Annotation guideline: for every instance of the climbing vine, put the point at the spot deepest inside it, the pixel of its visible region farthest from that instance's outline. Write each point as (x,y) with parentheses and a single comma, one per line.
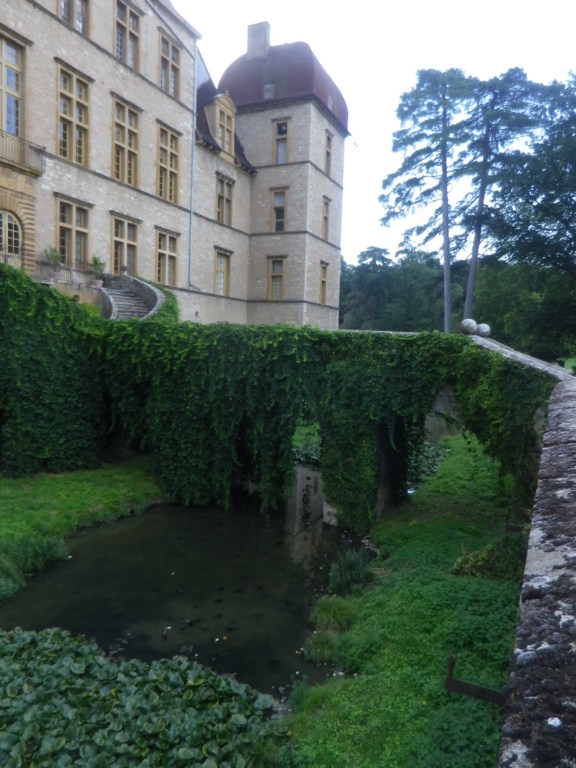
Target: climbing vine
(50,402)
(215,403)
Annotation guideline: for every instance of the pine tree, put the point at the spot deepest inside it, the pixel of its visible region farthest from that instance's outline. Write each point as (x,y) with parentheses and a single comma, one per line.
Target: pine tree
(433,137)
(535,221)
(503,110)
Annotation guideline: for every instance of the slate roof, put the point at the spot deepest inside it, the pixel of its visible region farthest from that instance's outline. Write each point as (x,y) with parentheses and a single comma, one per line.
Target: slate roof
(294,72)
(170,7)
(206,93)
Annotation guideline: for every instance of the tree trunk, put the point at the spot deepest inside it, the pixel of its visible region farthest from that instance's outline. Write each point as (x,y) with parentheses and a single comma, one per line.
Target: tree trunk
(445,222)
(478,224)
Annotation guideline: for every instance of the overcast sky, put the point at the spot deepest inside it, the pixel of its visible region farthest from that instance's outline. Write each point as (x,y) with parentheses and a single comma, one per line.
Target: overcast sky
(372,50)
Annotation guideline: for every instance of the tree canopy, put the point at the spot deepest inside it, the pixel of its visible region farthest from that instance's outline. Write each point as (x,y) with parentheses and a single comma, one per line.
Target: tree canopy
(431,137)
(535,217)
(456,136)
(489,166)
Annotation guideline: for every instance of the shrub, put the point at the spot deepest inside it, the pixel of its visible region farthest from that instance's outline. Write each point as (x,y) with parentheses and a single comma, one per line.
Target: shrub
(332,613)
(349,570)
(320,648)
(502,560)
(11,578)
(306,444)
(33,553)
(300,687)
(424,461)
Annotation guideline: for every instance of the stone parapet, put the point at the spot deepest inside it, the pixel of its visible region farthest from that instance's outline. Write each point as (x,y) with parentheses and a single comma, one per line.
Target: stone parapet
(539,713)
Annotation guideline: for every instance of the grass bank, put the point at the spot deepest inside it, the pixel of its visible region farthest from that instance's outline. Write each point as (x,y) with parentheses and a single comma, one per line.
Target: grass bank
(435,594)
(63,703)
(38,512)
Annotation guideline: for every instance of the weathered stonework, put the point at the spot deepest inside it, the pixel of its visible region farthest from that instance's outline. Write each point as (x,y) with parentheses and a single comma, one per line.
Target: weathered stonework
(539,714)
(50,48)
(45,44)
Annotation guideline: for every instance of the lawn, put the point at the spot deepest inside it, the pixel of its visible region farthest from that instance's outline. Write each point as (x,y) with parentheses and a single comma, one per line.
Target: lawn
(38,512)
(390,710)
(433,592)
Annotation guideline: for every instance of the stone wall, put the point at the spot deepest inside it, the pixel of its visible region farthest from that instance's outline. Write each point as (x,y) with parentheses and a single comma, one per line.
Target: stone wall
(47,44)
(539,710)
(539,714)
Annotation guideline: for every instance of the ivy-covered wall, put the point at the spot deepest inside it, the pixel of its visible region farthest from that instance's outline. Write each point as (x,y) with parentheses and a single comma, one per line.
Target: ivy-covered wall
(211,402)
(50,392)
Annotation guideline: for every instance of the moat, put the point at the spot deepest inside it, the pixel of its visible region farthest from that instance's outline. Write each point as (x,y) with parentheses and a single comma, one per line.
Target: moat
(229,589)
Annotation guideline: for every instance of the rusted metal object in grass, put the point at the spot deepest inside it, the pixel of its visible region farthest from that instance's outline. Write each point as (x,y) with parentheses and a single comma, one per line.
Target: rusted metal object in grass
(470,689)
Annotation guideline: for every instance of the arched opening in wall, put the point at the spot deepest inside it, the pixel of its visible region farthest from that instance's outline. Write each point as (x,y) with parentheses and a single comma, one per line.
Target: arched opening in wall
(10,240)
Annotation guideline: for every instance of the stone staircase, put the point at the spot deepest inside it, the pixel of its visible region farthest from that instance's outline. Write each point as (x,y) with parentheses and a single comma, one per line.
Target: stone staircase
(126,302)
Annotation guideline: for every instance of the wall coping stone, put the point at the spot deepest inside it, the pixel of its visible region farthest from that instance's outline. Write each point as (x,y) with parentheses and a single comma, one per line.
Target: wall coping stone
(539,713)
(553,369)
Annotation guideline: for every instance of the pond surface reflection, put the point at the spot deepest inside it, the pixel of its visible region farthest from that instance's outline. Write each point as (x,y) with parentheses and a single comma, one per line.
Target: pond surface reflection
(231,589)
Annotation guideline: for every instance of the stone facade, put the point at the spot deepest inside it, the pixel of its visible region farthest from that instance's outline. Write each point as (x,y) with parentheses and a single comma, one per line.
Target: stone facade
(101,154)
(71,84)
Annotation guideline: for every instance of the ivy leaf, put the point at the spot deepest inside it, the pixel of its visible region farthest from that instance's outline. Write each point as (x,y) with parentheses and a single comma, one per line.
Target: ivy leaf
(185,753)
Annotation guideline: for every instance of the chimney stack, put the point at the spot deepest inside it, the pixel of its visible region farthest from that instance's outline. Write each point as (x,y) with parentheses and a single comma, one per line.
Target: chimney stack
(258,40)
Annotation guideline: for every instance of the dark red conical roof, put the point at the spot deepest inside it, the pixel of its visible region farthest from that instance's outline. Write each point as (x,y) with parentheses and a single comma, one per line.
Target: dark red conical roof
(294,72)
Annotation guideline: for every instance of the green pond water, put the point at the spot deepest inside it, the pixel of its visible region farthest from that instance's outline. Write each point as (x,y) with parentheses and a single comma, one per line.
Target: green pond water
(231,589)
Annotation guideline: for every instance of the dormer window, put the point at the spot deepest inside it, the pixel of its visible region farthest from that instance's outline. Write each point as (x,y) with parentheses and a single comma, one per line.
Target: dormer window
(225,130)
(220,114)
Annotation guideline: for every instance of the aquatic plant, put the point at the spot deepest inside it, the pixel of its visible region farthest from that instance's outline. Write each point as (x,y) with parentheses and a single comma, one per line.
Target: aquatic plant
(62,703)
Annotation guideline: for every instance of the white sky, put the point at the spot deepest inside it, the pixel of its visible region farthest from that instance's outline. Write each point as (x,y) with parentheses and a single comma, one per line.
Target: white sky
(372,49)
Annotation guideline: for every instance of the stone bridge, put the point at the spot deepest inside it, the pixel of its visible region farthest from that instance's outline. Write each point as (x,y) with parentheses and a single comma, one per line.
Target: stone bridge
(539,711)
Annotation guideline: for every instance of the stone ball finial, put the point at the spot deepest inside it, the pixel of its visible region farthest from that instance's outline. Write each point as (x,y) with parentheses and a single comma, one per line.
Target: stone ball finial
(468,326)
(483,329)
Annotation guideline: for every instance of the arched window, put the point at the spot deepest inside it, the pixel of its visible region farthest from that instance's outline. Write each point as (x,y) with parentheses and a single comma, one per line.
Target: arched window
(10,235)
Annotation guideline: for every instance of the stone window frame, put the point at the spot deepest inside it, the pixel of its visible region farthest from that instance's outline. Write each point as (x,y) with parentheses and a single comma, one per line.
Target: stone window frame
(168,160)
(124,245)
(328,153)
(10,233)
(126,139)
(75,13)
(280,149)
(73,115)
(279,210)
(166,257)
(225,129)
(323,282)
(73,230)
(326,217)
(222,269)
(224,199)
(276,277)
(11,85)
(170,53)
(127,34)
